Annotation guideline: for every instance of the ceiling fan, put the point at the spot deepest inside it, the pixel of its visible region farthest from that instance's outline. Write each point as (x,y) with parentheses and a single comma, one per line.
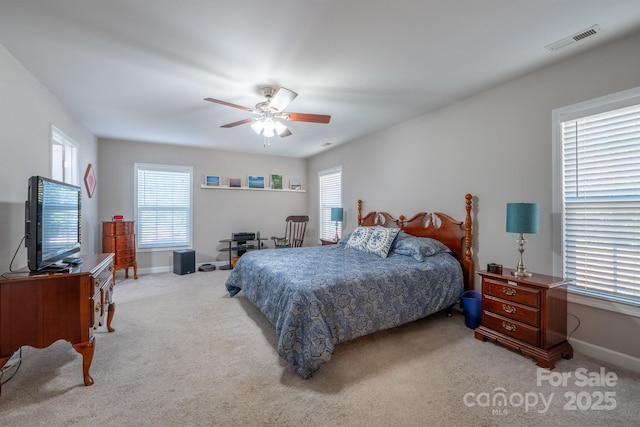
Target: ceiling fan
(269,115)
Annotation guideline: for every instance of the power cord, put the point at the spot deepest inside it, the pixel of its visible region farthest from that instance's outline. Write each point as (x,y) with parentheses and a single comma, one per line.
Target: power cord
(577,326)
(12,366)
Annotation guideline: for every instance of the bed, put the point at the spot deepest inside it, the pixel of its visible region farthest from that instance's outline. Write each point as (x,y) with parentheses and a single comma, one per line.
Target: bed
(320,296)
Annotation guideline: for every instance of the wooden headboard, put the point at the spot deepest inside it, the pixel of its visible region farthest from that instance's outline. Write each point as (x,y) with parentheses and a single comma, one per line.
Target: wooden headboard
(456,235)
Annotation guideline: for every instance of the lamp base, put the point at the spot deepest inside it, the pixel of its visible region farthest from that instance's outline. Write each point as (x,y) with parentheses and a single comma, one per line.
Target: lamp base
(521,269)
(521,273)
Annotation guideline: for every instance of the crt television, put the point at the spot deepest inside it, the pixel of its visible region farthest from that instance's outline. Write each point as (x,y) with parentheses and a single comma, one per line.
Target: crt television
(53,222)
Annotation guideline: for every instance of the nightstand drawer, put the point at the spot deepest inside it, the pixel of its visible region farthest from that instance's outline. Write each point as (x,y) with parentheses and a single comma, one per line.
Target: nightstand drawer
(512,310)
(512,291)
(512,328)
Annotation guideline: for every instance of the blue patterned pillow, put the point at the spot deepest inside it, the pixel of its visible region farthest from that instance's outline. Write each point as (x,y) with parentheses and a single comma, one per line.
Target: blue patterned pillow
(418,247)
(359,238)
(381,240)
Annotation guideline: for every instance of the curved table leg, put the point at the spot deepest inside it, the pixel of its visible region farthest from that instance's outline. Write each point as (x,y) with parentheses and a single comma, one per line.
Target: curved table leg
(86,349)
(110,312)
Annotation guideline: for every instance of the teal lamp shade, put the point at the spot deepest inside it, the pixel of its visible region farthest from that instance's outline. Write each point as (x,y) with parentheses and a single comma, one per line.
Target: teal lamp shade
(336,214)
(523,218)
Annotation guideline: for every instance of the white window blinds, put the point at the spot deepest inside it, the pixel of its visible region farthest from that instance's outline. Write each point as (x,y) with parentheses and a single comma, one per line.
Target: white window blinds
(330,197)
(163,206)
(601,203)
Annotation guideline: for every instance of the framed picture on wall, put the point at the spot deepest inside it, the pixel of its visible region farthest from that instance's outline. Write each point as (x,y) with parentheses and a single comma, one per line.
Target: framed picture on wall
(255,181)
(295,184)
(276,181)
(212,180)
(235,182)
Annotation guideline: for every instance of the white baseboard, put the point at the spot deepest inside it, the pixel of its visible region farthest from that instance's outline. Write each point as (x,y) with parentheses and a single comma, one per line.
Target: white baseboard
(169,268)
(610,356)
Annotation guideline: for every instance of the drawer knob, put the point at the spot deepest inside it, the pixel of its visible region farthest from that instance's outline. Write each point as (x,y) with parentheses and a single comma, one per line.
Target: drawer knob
(98,282)
(97,308)
(509,326)
(509,291)
(508,308)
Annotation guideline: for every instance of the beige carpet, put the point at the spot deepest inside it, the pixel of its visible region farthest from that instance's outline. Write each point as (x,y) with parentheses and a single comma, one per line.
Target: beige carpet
(184,353)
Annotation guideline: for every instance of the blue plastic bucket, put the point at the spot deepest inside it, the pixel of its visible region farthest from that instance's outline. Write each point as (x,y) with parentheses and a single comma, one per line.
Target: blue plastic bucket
(472,308)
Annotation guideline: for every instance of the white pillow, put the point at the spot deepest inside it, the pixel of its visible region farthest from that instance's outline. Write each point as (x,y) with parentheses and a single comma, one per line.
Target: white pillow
(359,238)
(381,240)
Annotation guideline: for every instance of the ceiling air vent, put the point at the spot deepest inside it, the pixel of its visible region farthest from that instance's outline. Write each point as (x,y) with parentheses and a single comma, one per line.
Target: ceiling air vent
(566,42)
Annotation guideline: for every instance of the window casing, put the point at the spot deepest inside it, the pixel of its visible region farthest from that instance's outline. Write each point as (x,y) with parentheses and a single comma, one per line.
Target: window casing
(64,157)
(597,194)
(330,182)
(163,206)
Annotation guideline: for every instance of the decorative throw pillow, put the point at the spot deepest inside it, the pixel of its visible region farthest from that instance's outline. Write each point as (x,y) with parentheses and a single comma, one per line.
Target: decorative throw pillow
(381,240)
(359,238)
(418,247)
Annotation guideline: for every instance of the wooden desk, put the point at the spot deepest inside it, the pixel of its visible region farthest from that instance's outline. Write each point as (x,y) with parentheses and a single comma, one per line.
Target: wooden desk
(38,309)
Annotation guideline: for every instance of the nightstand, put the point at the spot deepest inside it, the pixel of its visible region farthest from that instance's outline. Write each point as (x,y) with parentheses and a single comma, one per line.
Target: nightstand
(527,314)
(325,242)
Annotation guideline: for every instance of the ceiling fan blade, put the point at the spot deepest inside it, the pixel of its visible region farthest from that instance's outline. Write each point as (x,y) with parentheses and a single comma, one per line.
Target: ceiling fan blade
(304,117)
(238,123)
(285,133)
(228,104)
(282,98)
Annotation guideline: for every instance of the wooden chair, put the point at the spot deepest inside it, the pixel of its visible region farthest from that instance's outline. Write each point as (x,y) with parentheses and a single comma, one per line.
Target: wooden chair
(294,232)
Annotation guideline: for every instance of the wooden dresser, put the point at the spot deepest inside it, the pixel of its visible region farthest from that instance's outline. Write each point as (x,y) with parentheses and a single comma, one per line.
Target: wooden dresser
(119,238)
(38,309)
(528,314)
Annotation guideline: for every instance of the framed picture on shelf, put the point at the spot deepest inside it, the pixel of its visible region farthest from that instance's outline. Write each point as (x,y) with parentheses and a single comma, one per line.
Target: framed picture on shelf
(255,181)
(295,184)
(276,181)
(212,181)
(235,182)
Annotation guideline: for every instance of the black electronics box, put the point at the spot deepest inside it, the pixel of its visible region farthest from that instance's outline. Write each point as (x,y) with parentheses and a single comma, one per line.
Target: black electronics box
(184,261)
(243,237)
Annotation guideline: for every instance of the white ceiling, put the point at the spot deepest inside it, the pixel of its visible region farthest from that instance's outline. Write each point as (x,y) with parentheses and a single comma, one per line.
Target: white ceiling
(139,69)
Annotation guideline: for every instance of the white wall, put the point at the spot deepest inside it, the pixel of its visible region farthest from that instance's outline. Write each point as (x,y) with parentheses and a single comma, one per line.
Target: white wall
(217,213)
(497,146)
(27,111)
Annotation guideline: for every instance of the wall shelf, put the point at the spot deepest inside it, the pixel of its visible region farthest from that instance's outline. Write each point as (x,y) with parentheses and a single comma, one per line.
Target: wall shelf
(226,187)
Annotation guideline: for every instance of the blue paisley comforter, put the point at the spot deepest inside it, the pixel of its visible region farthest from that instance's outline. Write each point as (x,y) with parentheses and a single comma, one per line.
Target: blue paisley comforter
(319,296)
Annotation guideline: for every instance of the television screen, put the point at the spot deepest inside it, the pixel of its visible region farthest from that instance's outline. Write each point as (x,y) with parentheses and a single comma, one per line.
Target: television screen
(53,221)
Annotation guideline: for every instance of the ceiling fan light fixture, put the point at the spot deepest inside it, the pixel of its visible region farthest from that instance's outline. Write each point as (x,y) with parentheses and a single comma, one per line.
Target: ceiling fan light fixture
(269,127)
(280,128)
(257,126)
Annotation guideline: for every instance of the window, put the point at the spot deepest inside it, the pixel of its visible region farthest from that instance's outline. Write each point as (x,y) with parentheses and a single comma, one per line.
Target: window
(64,157)
(330,197)
(597,185)
(163,206)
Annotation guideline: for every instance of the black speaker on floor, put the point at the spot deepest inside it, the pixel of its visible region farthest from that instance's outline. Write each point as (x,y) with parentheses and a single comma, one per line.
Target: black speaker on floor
(184,261)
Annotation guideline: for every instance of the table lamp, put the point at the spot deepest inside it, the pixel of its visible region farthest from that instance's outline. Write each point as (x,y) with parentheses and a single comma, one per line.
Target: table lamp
(522,218)
(336,215)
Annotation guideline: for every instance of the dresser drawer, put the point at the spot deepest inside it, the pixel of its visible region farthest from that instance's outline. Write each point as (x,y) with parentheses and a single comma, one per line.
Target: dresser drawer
(511,291)
(512,310)
(124,242)
(117,228)
(512,328)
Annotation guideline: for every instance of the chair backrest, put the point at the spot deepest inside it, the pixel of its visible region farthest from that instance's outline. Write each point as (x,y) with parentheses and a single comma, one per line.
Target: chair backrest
(296,228)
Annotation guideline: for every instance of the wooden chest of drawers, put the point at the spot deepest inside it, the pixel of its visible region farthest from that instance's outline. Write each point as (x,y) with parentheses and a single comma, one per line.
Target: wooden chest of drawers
(38,309)
(528,314)
(118,237)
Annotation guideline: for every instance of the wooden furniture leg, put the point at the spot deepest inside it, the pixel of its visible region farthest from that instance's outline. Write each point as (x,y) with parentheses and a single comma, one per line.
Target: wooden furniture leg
(86,349)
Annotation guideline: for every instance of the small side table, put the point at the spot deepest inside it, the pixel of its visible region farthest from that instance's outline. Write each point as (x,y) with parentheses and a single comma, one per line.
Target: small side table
(326,242)
(527,314)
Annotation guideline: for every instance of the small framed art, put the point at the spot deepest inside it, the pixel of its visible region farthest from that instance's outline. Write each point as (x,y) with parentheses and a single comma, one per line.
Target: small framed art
(276,181)
(235,182)
(90,180)
(255,181)
(295,184)
(212,180)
